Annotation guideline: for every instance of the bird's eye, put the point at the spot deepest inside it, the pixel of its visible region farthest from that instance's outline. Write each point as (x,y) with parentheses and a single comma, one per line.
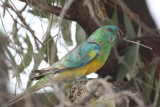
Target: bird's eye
(110,30)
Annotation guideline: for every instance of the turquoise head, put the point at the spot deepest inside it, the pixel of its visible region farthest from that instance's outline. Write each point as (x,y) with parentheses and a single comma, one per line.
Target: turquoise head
(108,32)
(111,32)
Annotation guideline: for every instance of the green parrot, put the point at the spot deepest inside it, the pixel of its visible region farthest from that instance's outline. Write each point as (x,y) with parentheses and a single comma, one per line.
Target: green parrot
(86,58)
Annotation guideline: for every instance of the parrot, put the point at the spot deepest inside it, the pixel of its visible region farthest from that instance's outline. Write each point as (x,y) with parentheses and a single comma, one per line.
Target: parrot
(84,59)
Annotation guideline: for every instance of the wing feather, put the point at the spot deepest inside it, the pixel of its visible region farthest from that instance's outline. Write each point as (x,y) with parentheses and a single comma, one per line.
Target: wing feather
(79,57)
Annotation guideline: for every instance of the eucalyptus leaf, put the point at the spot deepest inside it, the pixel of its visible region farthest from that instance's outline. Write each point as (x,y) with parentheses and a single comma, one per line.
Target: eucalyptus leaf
(29,44)
(39,13)
(157,93)
(66,32)
(80,34)
(113,20)
(52,49)
(149,83)
(38,57)
(37,60)
(3,38)
(27,58)
(62,2)
(12,58)
(4,11)
(2,34)
(115,17)
(49,1)
(130,33)
(131,55)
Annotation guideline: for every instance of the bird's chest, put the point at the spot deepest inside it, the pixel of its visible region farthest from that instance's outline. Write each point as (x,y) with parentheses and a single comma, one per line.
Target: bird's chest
(97,63)
(93,66)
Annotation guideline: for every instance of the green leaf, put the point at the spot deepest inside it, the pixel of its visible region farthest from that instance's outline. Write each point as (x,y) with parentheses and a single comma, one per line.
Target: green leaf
(25,62)
(113,20)
(115,17)
(131,55)
(29,44)
(149,84)
(4,11)
(62,2)
(66,32)
(2,34)
(52,49)
(39,57)
(27,58)
(37,60)
(80,34)
(40,13)
(3,38)
(49,1)
(130,33)
(11,56)
(156,102)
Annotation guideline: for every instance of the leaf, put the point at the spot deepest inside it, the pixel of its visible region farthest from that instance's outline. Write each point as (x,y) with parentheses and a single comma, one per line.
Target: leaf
(2,34)
(66,32)
(80,34)
(115,17)
(39,57)
(130,33)
(37,60)
(3,38)
(131,55)
(149,84)
(156,102)
(29,44)
(40,13)
(11,56)
(52,49)
(62,2)
(27,58)
(49,1)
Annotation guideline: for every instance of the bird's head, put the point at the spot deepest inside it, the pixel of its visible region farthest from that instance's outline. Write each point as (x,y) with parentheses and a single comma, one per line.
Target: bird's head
(111,32)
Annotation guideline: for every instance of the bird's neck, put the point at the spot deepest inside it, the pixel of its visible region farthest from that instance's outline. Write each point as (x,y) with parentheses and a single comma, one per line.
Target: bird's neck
(105,47)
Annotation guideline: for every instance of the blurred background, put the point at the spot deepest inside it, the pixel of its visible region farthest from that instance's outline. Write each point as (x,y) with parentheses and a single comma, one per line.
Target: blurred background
(33,36)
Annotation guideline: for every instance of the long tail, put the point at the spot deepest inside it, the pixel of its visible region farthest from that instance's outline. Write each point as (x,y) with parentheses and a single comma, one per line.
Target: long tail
(29,91)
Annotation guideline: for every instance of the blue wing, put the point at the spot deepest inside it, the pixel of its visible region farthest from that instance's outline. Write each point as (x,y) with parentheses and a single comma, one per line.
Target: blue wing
(82,55)
(77,58)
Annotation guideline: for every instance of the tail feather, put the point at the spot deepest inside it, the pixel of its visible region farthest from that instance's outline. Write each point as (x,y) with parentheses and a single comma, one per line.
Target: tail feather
(38,74)
(14,100)
(29,91)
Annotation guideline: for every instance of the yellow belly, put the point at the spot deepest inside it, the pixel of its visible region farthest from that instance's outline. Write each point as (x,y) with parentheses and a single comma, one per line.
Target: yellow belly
(93,66)
(67,75)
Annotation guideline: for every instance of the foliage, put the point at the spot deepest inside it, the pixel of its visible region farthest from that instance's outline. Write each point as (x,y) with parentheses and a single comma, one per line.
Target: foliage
(26,45)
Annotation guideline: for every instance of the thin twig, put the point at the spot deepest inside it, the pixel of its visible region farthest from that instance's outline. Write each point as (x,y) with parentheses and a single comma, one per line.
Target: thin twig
(137,43)
(24,22)
(143,25)
(63,12)
(92,13)
(49,8)
(121,94)
(48,34)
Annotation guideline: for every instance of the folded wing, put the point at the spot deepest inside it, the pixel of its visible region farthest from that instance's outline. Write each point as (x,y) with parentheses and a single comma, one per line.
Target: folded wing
(77,58)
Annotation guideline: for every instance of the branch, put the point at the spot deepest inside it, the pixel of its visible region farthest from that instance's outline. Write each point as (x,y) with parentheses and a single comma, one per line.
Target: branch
(49,8)
(137,22)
